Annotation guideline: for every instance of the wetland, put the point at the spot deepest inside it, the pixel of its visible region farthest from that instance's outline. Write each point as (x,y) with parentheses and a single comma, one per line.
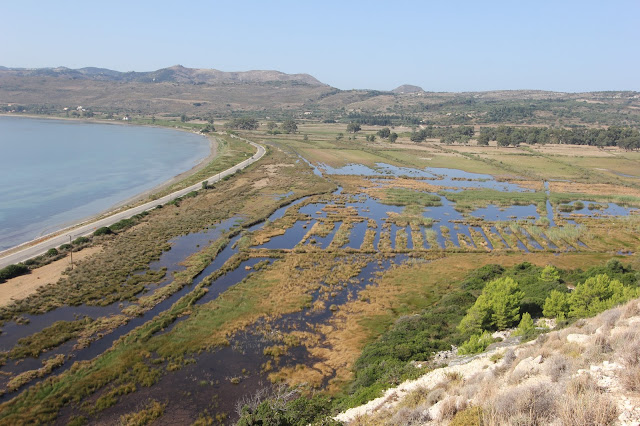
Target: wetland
(283,274)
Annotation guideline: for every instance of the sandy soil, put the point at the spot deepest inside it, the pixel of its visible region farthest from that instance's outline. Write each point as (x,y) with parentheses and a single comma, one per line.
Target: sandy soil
(20,287)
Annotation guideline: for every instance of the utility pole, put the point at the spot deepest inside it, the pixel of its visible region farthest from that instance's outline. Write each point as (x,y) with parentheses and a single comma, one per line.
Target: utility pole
(71,252)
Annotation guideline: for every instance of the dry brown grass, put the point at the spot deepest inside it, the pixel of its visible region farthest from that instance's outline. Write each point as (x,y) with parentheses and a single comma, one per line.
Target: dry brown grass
(409,417)
(630,378)
(416,397)
(415,184)
(435,396)
(631,309)
(593,188)
(524,405)
(146,414)
(570,150)
(558,366)
(536,185)
(450,406)
(586,409)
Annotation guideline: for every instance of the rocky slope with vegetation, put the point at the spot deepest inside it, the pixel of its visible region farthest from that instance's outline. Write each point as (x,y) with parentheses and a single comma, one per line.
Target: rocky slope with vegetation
(586,374)
(202,93)
(478,368)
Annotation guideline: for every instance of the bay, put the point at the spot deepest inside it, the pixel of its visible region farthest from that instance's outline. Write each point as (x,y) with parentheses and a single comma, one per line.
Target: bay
(54,173)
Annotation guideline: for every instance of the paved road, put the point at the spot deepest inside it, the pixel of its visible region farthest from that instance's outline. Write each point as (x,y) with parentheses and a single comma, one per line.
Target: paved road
(84,230)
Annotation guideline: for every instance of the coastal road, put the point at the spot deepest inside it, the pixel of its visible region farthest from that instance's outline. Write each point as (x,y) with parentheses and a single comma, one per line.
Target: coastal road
(42,244)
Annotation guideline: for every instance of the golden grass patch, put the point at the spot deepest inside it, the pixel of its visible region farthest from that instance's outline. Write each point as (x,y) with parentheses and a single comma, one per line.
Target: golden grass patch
(593,188)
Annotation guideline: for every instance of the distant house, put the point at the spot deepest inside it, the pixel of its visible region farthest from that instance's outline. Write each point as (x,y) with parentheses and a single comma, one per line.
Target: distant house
(79,108)
(125,118)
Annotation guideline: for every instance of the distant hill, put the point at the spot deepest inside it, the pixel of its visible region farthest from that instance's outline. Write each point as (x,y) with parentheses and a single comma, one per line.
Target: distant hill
(196,92)
(174,74)
(407,88)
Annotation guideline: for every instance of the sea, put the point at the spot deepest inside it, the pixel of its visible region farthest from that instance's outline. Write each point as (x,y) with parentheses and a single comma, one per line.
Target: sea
(54,173)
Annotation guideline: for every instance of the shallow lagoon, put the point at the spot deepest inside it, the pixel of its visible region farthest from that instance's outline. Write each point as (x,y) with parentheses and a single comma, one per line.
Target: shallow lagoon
(56,172)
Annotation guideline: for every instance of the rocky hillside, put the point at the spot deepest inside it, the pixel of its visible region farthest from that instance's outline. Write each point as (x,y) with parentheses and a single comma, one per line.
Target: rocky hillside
(587,374)
(174,74)
(407,88)
(199,93)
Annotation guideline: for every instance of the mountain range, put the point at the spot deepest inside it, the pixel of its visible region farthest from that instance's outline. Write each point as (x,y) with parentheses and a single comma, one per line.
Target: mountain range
(174,74)
(197,92)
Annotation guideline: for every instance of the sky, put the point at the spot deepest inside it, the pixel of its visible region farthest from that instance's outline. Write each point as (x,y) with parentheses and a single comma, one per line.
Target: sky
(454,46)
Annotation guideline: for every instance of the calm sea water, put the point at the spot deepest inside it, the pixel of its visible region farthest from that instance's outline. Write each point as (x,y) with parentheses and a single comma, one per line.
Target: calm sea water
(54,173)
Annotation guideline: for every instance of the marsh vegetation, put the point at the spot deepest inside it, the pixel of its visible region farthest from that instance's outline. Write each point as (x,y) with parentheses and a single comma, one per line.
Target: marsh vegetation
(330,275)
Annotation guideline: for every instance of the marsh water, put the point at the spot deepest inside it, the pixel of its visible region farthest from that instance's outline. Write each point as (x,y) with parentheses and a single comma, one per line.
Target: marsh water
(207,384)
(55,172)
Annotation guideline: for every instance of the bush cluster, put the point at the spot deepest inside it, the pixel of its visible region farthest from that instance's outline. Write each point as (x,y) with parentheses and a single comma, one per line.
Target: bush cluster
(12,271)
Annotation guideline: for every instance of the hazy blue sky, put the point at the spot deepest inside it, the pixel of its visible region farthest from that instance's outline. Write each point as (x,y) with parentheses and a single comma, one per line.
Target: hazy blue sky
(441,46)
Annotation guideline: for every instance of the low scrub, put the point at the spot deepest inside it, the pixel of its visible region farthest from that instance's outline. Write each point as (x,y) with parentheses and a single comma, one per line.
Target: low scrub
(406,197)
(148,414)
(13,271)
(49,337)
(475,198)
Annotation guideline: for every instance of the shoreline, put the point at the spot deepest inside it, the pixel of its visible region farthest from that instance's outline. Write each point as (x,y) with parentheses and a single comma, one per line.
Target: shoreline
(122,205)
(39,246)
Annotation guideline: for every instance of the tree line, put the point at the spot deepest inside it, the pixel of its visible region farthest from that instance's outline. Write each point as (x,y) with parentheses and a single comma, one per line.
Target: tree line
(382,119)
(461,134)
(626,138)
(623,137)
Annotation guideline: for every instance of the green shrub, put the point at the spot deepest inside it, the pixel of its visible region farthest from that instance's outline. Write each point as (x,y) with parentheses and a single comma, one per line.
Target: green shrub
(190,194)
(140,215)
(596,294)
(556,305)
(12,271)
(300,411)
(102,231)
(80,240)
(550,274)
(415,337)
(526,328)
(477,343)
(536,284)
(477,279)
(498,307)
(51,252)
(65,247)
(122,224)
